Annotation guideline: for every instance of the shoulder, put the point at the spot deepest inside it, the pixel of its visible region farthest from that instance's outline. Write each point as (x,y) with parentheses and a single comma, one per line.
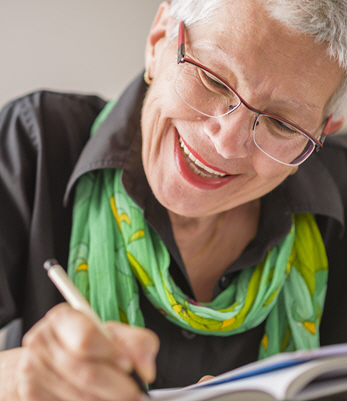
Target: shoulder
(334,152)
(48,119)
(334,158)
(43,133)
(338,140)
(45,99)
(46,108)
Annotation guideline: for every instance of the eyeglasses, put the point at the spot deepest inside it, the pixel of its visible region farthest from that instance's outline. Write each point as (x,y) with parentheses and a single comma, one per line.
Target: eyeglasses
(208,94)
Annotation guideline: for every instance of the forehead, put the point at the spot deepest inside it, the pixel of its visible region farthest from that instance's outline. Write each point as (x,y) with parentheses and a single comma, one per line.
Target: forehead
(267,58)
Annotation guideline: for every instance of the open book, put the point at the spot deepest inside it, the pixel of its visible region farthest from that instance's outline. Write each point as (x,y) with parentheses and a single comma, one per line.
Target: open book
(299,375)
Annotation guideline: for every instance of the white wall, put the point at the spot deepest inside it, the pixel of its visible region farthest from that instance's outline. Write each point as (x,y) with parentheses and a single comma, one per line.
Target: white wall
(92,46)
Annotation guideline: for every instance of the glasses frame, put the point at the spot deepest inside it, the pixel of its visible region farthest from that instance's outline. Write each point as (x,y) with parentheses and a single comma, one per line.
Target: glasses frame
(318,143)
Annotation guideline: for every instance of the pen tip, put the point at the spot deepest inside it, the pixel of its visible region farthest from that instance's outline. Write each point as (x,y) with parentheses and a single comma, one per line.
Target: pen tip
(49,263)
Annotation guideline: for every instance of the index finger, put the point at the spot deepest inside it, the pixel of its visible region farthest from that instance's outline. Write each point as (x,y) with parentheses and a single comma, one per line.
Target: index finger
(80,335)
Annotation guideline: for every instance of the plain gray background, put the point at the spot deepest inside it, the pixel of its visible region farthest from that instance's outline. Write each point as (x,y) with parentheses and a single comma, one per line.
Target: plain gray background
(89,46)
(92,46)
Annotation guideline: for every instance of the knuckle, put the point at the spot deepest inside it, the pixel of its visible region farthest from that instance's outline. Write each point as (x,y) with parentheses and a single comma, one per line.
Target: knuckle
(82,332)
(57,309)
(35,339)
(58,313)
(85,338)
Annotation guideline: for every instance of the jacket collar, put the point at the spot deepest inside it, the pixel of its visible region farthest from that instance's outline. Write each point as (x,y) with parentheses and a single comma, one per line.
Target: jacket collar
(117,143)
(313,190)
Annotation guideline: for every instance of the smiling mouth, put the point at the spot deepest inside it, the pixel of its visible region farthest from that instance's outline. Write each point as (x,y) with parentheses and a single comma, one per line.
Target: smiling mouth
(197,166)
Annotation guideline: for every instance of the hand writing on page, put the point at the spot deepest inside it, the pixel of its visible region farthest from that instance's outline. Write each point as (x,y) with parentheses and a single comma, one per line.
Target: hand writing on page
(67,357)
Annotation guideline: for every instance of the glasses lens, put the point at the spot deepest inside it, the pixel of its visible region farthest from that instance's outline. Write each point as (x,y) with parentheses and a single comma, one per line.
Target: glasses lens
(204,92)
(282,142)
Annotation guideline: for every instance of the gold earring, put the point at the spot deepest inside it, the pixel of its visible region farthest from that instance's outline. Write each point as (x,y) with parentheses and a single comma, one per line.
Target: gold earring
(147,78)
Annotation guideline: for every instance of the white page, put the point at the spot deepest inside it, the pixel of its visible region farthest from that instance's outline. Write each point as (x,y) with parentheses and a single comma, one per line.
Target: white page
(275,383)
(279,359)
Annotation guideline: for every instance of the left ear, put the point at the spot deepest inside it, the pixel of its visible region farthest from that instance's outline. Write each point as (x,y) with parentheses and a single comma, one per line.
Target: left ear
(335,125)
(157,37)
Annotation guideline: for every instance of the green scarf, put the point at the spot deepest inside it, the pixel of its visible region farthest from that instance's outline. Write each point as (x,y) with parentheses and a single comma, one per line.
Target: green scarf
(113,249)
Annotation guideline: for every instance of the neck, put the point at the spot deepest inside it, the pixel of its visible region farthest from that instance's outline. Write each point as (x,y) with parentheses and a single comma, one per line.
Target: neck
(236,227)
(192,232)
(224,245)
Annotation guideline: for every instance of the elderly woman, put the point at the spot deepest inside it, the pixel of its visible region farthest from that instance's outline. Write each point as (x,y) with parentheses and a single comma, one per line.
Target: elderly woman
(199,209)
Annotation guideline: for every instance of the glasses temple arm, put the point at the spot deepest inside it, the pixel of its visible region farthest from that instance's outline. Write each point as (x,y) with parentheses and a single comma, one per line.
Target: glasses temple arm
(325,132)
(181,47)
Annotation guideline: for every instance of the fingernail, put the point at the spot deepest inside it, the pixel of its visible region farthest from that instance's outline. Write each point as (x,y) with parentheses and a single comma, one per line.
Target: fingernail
(148,368)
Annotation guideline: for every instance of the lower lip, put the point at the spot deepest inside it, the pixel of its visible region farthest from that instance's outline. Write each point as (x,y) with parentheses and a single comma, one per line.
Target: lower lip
(195,179)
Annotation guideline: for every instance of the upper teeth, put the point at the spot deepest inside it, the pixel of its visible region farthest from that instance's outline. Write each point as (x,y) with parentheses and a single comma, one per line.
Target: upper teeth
(198,162)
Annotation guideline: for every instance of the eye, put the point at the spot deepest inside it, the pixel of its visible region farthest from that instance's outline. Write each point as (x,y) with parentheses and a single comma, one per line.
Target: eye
(212,82)
(278,127)
(285,127)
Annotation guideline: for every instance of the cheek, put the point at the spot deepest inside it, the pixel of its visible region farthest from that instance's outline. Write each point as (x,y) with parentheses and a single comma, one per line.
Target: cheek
(271,171)
(157,137)
(162,109)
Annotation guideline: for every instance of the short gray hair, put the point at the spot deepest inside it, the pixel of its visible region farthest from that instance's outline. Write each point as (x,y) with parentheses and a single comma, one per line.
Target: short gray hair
(326,20)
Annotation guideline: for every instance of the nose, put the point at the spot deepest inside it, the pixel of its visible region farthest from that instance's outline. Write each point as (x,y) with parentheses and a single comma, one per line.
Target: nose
(231,134)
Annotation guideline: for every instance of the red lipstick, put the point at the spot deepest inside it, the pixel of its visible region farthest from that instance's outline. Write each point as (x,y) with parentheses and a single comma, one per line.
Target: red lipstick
(204,183)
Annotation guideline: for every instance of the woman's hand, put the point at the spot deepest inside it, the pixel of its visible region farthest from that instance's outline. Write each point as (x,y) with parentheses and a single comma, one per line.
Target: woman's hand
(66,356)
(205,378)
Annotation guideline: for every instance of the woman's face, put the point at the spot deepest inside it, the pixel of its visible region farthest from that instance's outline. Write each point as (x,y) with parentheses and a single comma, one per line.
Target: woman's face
(273,68)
